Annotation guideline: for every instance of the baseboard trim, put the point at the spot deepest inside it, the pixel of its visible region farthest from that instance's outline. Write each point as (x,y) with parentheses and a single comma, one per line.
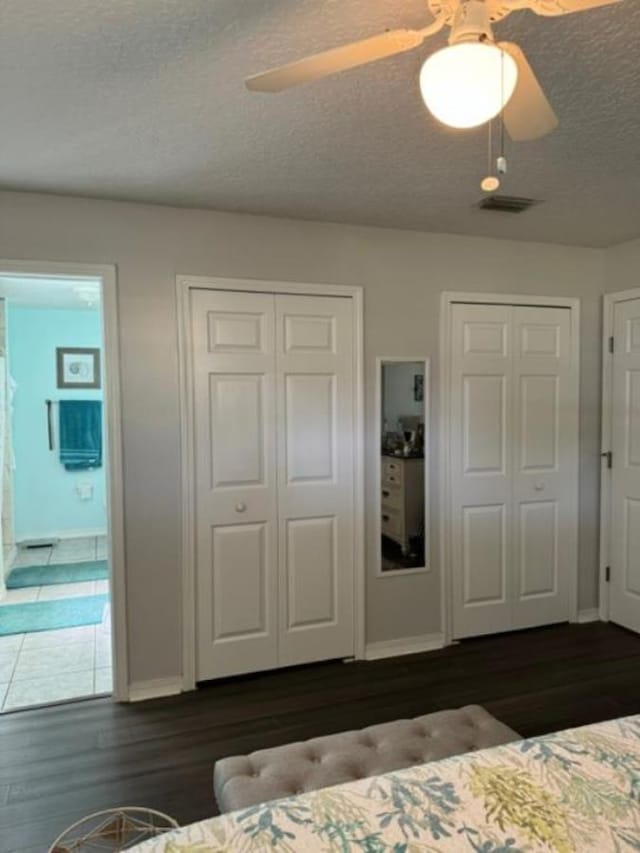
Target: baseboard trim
(89,533)
(591,615)
(156,688)
(404,646)
(8,556)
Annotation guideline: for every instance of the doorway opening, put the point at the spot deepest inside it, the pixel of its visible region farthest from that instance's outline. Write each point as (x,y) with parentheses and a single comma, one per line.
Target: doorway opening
(55,566)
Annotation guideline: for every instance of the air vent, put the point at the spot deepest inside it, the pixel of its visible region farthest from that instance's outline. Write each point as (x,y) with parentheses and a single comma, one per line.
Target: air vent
(506,203)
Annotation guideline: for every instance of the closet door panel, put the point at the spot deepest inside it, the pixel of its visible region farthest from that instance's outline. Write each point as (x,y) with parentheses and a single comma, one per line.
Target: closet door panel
(236,416)
(235,481)
(484,420)
(310,428)
(545,465)
(315,380)
(481,512)
(539,413)
(538,548)
(238,588)
(484,555)
(311,568)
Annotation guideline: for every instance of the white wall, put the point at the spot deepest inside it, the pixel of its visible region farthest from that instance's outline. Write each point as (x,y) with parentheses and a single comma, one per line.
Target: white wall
(622,271)
(403,274)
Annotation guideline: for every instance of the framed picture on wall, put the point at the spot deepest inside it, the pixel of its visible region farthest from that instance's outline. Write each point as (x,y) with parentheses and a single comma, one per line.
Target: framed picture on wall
(78,367)
(418,388)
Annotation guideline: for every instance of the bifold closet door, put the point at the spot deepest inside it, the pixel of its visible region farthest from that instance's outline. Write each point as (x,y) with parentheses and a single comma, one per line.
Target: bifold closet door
(274,470)
(315,382)
(514,420)
(233,337)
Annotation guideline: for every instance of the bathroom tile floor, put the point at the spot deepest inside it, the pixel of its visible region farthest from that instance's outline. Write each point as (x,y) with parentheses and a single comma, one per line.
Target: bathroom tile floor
(53,666)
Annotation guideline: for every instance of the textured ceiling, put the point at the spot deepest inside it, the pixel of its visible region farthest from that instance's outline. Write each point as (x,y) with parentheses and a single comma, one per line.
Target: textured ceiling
(144,100)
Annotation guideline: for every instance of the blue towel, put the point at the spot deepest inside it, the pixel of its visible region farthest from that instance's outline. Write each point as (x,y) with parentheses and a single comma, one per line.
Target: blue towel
(80,434)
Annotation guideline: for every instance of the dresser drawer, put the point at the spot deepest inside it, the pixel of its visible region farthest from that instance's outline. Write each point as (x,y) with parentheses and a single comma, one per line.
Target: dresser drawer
(391,524)
(391,497)
(392,472)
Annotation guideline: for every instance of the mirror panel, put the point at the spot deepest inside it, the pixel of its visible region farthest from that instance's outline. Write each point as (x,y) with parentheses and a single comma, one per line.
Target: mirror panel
(403,481)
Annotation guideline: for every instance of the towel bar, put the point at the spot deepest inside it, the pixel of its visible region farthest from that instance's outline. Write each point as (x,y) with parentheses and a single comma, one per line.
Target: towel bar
(49,404)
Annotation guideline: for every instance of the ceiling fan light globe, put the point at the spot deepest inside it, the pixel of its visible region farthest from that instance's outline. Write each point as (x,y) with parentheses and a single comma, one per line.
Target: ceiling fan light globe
(465,85)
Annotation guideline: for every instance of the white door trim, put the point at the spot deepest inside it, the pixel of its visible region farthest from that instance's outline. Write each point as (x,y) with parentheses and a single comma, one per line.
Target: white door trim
(609,302)
(184,284)
(448,298)
(107,275)
(428,567)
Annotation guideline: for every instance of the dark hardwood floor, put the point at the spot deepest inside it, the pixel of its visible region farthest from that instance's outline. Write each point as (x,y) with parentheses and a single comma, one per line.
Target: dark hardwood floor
(59,763)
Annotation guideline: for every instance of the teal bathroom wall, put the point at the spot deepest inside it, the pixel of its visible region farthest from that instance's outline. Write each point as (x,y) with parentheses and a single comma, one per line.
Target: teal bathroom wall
(46,502)
(397,391)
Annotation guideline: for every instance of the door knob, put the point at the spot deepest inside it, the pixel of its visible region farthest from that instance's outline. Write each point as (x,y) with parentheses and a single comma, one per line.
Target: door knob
(241,507)
(539,486)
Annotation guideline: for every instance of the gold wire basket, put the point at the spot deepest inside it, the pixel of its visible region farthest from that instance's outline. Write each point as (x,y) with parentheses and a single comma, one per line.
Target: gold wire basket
(113,830)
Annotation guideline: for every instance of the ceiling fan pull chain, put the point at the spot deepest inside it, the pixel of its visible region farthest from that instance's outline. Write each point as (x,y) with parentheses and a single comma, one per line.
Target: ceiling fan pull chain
(490,184)
(501,162)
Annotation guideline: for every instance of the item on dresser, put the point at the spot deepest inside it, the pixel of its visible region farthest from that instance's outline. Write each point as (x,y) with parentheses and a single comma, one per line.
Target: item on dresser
(295,768)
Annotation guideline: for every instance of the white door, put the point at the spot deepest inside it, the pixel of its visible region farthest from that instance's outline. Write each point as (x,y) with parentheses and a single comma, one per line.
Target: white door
(624,607)
(274,471)
(235,476)
(315,363)
(514,421)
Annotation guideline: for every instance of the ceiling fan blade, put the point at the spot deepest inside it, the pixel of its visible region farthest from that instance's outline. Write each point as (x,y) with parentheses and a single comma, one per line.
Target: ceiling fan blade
(333,61)
(528,114)
(568,7)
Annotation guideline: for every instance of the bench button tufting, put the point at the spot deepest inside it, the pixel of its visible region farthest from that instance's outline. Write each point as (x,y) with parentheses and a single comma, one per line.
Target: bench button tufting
(407,743)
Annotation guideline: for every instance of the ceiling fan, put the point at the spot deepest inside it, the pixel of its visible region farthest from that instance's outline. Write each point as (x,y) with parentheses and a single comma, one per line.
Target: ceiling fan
(463,85)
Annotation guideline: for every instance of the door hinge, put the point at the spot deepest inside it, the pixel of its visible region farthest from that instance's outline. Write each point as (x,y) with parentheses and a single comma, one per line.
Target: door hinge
(607,574)
(611,344)
(609,457)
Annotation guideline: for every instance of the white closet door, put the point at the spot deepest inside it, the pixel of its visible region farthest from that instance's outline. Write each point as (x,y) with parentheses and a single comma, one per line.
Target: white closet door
(625,485)
(545,465)
(315,367)
(236,528)
(481,520)
(514,419)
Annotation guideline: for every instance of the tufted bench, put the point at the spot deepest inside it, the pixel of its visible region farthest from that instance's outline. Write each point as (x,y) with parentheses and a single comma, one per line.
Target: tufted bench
(283,771)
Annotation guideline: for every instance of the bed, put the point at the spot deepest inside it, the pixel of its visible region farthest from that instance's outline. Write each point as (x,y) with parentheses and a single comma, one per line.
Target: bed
(576,790)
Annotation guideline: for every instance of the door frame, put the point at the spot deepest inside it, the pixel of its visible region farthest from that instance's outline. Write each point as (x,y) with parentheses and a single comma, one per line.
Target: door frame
(609,304)
(107,274)
(185,283)
(447,300)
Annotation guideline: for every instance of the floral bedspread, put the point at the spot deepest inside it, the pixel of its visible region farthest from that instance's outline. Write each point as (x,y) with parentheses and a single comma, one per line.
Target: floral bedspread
(577,790)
